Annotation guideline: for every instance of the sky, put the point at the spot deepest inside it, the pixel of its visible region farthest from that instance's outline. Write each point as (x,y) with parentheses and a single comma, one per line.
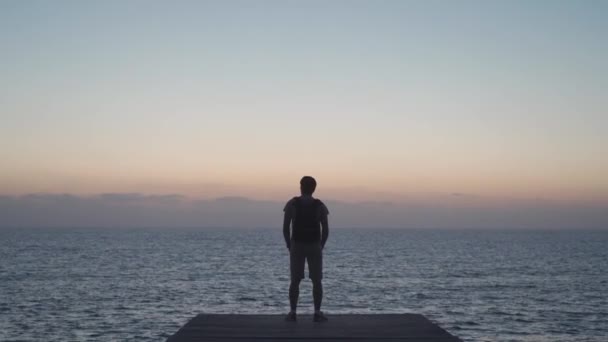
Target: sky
(493,111)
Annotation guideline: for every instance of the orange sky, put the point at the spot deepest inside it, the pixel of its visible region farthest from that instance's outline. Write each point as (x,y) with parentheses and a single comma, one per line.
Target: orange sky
(380,102)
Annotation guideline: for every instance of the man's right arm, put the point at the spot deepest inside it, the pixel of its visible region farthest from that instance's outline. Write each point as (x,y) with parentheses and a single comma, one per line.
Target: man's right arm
(286,224)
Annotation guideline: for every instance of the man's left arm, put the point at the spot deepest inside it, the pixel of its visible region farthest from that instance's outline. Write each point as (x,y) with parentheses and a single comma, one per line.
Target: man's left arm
(325,230)
(286,226)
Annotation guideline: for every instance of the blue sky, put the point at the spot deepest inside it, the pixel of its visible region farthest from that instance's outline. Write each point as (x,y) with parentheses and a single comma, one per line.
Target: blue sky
(380,100)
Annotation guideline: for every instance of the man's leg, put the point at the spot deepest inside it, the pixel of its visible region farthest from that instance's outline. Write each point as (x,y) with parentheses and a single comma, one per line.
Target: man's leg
(294,293)
(317,293)
(296,265)
(315,269)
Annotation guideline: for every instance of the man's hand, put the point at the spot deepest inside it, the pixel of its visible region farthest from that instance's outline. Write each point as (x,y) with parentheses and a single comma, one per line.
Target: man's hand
(288,246)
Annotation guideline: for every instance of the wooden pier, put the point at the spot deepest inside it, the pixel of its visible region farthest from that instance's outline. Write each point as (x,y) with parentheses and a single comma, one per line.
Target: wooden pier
(351,327)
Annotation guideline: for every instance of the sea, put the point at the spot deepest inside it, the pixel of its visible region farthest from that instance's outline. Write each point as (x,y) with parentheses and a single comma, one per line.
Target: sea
(111,284)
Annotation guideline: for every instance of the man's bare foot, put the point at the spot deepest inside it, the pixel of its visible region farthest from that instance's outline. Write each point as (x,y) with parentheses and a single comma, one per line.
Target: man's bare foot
(319,317)
(291,317)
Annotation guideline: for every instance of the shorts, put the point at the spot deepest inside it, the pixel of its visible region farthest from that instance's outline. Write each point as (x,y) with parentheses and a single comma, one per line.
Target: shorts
(301,252)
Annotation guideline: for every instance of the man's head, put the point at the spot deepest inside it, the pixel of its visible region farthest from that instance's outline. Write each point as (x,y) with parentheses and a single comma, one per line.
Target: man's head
(307,185)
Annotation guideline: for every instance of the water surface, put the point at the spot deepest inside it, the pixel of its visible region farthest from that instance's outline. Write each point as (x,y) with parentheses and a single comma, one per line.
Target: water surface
(143,284)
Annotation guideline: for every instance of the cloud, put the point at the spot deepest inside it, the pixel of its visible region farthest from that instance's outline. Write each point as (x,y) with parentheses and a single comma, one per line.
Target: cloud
(174,210)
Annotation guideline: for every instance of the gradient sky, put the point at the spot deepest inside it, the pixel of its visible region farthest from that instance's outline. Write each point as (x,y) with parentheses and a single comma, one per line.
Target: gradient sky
(379,100)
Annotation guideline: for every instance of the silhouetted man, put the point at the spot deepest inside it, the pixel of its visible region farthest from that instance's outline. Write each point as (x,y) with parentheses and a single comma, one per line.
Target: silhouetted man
(306,215)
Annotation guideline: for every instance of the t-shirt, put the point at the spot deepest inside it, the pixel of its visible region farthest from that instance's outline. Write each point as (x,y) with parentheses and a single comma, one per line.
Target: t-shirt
(290,207)
(306,228)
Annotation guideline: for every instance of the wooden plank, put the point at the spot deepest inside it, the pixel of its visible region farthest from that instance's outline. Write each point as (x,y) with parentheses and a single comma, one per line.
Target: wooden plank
(350,327)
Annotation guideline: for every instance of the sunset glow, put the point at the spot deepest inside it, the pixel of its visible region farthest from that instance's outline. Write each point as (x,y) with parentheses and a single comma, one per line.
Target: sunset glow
(504,101)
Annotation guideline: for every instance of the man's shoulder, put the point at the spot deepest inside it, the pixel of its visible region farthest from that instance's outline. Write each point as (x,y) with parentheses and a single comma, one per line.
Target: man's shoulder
(318,200)
(290,204)
(322,207)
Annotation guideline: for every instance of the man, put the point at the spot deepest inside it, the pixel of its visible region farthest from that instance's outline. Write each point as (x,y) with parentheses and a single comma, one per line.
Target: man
(306,216)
